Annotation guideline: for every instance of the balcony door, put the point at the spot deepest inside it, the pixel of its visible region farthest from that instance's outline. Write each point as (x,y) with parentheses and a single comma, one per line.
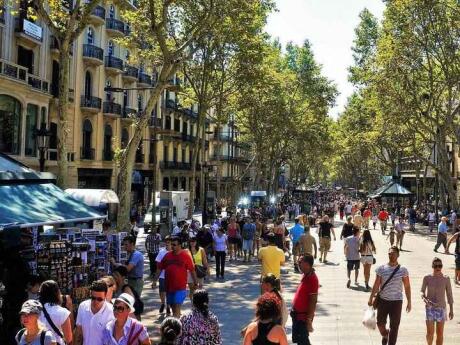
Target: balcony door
(88,85)
(26,58)
(107,141)
(86,142)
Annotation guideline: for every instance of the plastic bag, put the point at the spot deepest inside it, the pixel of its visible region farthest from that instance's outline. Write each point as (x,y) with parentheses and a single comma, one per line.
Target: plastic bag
(369,320)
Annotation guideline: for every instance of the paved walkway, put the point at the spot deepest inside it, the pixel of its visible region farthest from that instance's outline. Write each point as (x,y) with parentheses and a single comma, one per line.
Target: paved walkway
(340,310)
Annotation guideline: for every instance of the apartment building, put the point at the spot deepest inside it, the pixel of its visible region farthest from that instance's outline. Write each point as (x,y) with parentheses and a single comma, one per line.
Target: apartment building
(100,121)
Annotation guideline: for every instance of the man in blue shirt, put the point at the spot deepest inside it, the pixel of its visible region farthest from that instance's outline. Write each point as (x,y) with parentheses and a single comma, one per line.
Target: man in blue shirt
(442,234)
(249,230)
(294,233)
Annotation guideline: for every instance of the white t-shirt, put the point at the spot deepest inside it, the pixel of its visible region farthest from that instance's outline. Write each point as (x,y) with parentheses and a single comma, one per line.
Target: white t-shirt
(93,325)
(58,315)
(159,257)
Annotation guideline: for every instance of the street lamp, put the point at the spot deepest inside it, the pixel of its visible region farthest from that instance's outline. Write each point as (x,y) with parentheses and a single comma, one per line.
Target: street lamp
(42,136)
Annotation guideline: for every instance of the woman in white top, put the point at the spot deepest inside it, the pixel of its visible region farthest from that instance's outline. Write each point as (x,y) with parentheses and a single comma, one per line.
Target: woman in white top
(367,251)
(220,244)
(53,316)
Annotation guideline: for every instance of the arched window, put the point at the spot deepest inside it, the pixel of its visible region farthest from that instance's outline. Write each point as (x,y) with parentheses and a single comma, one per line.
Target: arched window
(86,152)
(107,142)
(88,85)
(10,125)
(90,35)
(108,94)
(111,11)
(30,147)
(175,183)
(110,48)
(124,138)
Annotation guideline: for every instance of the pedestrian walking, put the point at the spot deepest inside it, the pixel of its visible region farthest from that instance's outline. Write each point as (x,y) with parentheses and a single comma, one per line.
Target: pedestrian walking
(176,264)
(295,233)
(304,302)
(307,243)
(120,275)
(367,250)
(152,247)
(200,325)
(33,332)
(383,218)
(347,229)
(265,330)
(93,315)
(204,238)
(374,221)
(456,238)
(161,278)
(201,265)
(351,249)
(271,257)
(324,234)
(248,233)
(431,220)
(387,296)
(234,234)
(170,330)
(358,219)
(272,284)
(442,234)
(53,316)
(435,289)
(220,245)
(367,215)
(124,330)
(400,229)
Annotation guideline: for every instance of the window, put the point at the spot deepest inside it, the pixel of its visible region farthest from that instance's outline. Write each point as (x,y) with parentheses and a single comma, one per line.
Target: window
(88,85)
(183,155)
(53,142)
(31,126)
(175,155)
(90,36)
(165,153)
(26,58)
(10,125)
(110,48)
(107,142)
(140,103)
(87,132)
(125,99)
(124,138)
(55,79)
(108,94)
(177,125)
(165,183)
(111,11)
(168,122)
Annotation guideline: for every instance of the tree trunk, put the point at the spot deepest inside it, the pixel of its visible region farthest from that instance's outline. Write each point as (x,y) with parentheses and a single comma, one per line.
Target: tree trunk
(63,128)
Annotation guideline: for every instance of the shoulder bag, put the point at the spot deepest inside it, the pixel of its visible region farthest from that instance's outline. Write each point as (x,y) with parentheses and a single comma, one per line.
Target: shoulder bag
(133,336)
(201,271)
(51,323)
(377,298)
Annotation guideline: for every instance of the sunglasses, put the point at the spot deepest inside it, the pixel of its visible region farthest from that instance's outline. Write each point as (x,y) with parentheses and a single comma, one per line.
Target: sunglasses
(99,299)
(119,308)
(437,266)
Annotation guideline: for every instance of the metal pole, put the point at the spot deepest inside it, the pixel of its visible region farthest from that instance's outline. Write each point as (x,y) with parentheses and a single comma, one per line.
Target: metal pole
(41,159)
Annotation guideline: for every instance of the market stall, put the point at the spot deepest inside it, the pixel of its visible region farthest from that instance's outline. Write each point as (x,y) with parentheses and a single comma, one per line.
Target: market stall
(392,193)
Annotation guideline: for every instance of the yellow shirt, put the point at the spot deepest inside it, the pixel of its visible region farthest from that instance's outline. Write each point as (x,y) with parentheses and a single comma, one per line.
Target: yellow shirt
(271,257)
(198,258)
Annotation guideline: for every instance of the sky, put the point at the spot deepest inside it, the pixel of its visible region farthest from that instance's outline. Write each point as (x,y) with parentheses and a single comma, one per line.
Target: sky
(329,26)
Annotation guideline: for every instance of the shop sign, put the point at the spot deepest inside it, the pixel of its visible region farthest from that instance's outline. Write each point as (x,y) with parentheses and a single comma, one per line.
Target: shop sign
(32,29)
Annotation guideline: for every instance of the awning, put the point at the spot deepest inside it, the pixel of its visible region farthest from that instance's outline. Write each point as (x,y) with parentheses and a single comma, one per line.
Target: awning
(94,197)
(28,205)
(391,189)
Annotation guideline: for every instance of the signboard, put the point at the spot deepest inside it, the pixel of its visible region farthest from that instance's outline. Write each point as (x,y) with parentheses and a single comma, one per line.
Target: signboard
(32,29)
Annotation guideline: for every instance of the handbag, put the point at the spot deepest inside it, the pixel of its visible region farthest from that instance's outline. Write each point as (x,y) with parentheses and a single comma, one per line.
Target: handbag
(377,298)
(200,270)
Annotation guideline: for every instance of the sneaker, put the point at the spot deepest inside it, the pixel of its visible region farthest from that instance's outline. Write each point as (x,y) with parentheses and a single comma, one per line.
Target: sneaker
(348,283)
(162,308)
(168,310)
(367,286)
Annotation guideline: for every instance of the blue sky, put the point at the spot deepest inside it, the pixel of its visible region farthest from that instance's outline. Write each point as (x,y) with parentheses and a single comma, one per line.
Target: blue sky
(329,25)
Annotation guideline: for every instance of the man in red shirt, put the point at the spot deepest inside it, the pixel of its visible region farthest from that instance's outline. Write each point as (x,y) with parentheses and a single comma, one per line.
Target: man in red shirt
(176,263)
(383,217)
(304,303)
(367,214)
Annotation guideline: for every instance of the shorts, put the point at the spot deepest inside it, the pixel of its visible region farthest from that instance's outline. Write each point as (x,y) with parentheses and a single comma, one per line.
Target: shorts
(299,332)
(247,245)
(161,285)
(367,259)
(457,261)
(435,314)
(233,240)
(353,265)
(176,297)
(324,244)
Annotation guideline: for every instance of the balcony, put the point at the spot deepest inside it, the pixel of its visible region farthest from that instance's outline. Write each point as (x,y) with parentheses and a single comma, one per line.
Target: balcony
(144,79)
(155,122)
(114,27)
(175,165)
(90,104)
(20,74)
(130,73)
(107,155)
(38,84)
(29,33)
(93,55)
(140,157)
(128,113)
(111,109)
(86,153)
(187,137)
(97,16)
(113,65)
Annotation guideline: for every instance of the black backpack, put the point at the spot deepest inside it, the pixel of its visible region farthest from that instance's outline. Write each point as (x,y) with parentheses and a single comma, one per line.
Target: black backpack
(42,336)
(138,304)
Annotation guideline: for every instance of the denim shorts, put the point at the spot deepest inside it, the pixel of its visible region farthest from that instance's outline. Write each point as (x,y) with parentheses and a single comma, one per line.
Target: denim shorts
(161,285)
(435,314)
(176,297)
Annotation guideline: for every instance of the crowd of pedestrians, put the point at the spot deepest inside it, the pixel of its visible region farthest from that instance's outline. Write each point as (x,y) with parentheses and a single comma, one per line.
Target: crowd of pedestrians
(182,263)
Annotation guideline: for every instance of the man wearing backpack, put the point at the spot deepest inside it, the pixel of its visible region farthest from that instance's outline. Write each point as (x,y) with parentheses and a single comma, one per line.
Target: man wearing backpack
(248,233)
(387,290)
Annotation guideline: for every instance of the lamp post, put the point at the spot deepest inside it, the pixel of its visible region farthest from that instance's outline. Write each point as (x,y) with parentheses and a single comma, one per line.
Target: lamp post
(42,136)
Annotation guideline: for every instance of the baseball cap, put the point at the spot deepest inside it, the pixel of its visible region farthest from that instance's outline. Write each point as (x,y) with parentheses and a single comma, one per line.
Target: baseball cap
(31,306)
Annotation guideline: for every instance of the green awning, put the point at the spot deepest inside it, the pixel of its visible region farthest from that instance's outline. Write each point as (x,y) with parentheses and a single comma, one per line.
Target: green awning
(36,204)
